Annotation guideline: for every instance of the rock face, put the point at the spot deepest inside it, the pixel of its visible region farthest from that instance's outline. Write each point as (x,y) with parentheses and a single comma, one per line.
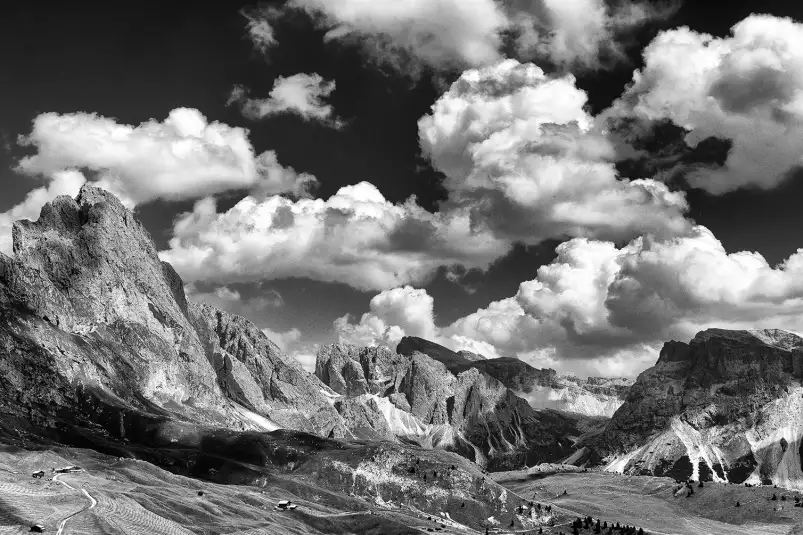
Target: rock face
(470,412)
(543,389)
(728,405)
(91,318)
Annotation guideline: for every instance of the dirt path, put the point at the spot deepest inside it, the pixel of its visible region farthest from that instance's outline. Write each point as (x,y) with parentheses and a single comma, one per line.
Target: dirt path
(92,502)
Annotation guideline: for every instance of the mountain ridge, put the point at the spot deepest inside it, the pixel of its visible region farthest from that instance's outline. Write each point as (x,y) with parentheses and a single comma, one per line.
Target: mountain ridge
(726,406)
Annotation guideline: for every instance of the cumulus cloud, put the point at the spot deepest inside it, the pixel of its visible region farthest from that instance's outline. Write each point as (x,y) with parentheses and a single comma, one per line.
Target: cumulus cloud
(746,88)
(601,309)
(355,237)
(454,34)
(62,183)
(392,314)
(521,153)
(183,157)
(300,94)
(596,300)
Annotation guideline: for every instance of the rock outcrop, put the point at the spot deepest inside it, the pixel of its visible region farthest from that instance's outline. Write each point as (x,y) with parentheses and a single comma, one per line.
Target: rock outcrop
(726,406)
(90,317)
(470,412)
(542,388)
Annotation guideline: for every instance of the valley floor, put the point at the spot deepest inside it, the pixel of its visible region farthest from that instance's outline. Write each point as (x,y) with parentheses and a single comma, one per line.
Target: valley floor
(115,496)
(650,502)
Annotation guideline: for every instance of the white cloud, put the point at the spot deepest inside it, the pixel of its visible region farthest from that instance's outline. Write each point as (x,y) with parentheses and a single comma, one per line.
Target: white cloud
(306,355)
(520,152)
(183,157)
(62,183)
(392,314)
(602,310)
(300,94)
(455,34)
(578,33)
(260,28)
(355,237)
(285,340)
(435,33)
(746,88)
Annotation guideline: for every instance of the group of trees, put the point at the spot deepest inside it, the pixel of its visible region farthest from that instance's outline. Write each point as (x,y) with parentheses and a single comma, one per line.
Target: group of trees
(600,527)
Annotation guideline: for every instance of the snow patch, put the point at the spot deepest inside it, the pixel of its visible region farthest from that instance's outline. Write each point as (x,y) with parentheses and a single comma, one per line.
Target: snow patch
(259,422)
(571,398)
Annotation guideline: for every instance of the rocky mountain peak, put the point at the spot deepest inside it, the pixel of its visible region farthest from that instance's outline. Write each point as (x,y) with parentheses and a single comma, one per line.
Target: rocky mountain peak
(88,262)
(95,305)
(727,403)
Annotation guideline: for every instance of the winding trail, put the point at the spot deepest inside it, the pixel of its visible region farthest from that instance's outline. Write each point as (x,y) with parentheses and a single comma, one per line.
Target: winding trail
(92,502)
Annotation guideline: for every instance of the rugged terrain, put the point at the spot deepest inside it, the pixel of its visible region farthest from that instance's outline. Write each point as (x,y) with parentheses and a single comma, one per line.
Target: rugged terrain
(726,406)
(542,388)
(415,398)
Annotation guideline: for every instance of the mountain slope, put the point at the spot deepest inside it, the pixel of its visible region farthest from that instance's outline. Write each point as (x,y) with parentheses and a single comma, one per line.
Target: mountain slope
(728,405)
(416,398)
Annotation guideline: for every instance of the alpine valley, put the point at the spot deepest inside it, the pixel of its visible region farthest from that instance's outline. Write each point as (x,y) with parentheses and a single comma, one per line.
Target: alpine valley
(187,419)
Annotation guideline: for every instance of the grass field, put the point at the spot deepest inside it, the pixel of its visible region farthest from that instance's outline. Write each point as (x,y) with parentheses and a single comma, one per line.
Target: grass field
(116,496)
(121,496)
(650,502)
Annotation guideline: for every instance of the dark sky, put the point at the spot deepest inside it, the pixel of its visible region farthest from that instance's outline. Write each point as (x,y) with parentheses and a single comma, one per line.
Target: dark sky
(134,62)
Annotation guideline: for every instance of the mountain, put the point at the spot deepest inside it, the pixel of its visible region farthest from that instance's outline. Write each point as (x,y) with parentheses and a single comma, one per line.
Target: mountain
(101,349)
(726,406)
(543,389)
(90,315)
(416,398)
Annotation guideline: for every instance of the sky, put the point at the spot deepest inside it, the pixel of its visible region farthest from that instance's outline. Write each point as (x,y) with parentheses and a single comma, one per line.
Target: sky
(572,183)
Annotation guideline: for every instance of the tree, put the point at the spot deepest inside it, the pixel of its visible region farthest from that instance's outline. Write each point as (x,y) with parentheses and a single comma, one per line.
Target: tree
(783,497)
(774,497)
(700,485)
(738,504)
(512,523)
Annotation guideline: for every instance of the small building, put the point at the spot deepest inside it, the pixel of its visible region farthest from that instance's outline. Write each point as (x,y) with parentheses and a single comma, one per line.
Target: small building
(37,529)
(39,475)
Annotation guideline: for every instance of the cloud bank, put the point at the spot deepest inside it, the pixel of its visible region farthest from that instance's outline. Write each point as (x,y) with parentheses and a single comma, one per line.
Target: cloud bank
(601,309)
(183,157)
